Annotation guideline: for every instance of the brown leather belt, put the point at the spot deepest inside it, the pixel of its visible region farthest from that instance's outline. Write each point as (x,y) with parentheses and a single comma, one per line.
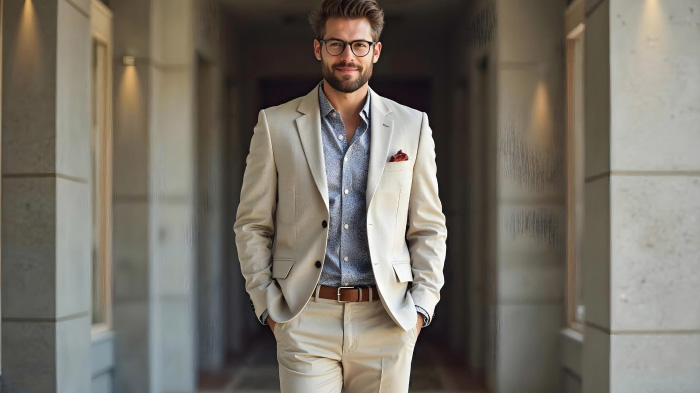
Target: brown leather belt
(348,294)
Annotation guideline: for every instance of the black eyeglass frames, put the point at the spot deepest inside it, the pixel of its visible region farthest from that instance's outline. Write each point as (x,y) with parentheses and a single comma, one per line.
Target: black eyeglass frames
(359,48)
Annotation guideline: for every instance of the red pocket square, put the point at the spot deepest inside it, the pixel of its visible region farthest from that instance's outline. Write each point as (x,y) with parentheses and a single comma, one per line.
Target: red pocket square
(400,156)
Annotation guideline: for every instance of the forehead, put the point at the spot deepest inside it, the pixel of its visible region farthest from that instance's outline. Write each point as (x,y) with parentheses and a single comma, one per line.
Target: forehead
(348,29)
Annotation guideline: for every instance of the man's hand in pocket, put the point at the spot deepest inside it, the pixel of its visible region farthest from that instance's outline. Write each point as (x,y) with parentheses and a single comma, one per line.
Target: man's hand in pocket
(271,323)
(419,322)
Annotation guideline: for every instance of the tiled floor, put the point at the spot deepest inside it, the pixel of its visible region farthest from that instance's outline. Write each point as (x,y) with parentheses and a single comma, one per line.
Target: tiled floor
(430,374)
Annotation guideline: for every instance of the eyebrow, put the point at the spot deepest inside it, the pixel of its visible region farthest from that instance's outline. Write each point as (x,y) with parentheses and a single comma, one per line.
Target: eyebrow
(359,39)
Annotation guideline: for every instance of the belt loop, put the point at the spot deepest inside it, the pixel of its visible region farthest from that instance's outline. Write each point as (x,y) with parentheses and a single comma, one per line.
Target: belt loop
(360,290)
(318,288)
(370,293)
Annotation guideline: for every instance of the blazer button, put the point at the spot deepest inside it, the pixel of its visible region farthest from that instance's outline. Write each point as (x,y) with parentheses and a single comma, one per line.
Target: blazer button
(318,263)
(324,223)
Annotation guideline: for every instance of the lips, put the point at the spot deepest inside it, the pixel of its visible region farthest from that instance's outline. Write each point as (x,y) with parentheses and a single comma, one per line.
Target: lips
(346,69)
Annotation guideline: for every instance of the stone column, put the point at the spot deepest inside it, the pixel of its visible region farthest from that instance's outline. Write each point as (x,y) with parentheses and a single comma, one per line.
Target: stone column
(132,307)
(46,227)
(173,231)
(154,309)
(530,202)
(209,163)
(642,197)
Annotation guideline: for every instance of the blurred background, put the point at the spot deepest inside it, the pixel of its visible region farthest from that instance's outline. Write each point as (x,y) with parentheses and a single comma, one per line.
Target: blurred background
(568,149)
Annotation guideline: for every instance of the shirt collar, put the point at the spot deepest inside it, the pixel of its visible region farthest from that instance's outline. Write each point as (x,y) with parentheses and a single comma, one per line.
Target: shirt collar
(327,108)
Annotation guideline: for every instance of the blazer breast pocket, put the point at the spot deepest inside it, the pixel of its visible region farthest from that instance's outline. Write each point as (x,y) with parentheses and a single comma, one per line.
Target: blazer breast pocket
(398,166)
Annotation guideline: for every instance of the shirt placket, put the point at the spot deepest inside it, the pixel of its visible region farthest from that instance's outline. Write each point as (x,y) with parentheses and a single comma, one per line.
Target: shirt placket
(346,197)
(339,128)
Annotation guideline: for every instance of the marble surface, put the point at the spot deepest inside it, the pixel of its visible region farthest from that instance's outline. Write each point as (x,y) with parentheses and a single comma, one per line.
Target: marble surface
(172,133)
(654,74)
(655,363)
(32,367)
(73,95)
(655,255)
(73,247)
(131,125)
(131,344)
(173,327)
(73,347)
(533,33)
(29,249)
(29,87)
(131,253)
(526,332)
(173,32)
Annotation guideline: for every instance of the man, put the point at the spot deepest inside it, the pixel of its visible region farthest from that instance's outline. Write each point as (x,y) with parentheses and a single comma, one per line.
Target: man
(344,181)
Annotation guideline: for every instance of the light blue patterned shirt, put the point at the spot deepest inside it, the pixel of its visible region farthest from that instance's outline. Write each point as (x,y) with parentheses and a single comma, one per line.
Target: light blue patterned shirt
(347,261)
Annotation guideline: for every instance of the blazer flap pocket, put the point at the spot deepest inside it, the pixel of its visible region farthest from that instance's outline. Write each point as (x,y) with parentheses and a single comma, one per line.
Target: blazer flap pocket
(281,267)
(403,271)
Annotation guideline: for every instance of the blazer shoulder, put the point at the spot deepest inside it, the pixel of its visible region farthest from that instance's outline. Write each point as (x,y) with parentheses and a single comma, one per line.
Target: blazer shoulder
(280,120)
(289,108)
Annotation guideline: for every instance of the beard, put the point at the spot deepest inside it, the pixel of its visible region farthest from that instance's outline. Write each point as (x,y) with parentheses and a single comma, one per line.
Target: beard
(345,84)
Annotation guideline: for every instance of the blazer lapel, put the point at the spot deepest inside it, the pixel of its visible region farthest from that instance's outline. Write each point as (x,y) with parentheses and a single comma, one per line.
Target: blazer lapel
(309,129)
(382,129)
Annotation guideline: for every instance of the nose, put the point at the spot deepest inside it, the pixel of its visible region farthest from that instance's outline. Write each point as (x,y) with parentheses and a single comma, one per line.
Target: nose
(347,53)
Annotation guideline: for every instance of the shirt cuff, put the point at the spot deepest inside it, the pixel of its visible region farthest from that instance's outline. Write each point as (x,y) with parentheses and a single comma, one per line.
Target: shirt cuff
(426,318)
(263,317)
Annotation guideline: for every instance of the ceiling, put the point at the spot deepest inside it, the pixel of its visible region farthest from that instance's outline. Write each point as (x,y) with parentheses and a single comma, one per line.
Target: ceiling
(291,9)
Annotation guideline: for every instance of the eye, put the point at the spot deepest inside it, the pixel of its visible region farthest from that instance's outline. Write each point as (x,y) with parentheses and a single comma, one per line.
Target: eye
(334,44)
(360,45)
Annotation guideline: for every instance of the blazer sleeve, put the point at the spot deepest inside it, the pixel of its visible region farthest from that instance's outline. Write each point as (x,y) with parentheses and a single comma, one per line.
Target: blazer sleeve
(254,226)
(426,233)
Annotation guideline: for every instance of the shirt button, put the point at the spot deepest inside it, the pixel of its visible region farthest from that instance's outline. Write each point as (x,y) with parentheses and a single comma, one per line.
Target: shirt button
(340,137)
(324,223)
(345,259)
(333,114)
(345,159)
(346,191)
(347,226)
(318,264)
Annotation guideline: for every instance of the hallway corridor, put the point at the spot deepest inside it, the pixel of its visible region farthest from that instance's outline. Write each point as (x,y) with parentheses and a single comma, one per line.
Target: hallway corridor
(566,141)
(432,372)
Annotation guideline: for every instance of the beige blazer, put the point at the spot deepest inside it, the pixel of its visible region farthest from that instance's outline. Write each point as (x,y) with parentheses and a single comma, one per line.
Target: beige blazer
(285,197)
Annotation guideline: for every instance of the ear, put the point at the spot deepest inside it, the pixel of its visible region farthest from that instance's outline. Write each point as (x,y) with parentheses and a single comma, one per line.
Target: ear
(377,52)
(317,49)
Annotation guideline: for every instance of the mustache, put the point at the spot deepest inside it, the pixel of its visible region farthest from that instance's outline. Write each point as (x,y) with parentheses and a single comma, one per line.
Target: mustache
(347,65)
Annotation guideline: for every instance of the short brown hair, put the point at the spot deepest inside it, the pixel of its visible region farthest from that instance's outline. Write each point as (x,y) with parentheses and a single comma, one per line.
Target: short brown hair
(348,9)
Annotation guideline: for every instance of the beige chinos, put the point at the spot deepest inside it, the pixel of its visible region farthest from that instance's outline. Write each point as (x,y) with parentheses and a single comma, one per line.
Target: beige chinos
(356,344)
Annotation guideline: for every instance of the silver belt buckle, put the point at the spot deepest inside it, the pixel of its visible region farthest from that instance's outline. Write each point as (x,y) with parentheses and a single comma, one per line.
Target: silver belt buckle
(338,292)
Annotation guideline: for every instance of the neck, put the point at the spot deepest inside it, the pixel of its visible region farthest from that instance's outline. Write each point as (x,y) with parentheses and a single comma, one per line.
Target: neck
(350,103)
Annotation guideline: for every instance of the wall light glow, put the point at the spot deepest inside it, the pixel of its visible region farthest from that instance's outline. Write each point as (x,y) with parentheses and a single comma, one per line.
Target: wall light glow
(129,100)
(653,30)
(27,60)
(542,129)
